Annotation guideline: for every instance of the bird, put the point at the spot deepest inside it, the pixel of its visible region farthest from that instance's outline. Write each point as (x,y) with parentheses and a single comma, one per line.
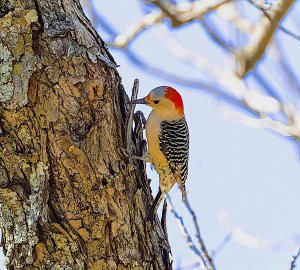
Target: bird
(168,140)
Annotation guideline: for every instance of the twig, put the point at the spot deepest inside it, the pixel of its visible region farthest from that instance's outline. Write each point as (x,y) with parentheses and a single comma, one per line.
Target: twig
(164,218)
(195,221)
(135,90)
(123,40)
(175,13)
(198,235)
(242,237)
(221,246)
(295,258)
(262,80)
(166,253)
(211,30)
(182,14)
(99,20)
(289,130)
(280,26)
(187,235)
(249,56)
(286,68)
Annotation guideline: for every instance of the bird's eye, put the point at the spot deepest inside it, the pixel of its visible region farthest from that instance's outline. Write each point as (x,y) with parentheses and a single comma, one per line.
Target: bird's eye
(156,101)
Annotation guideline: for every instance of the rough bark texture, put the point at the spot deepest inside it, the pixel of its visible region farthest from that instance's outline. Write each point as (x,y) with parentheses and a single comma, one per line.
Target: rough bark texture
(69,196)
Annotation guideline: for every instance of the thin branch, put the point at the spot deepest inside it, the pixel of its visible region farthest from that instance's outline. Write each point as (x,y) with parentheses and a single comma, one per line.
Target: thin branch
(186,12)
(289,130)
(261,38)
(178,15)
(295,258)
(280,26)
(135,90)
(123,40)
(198,234)
(163,222)
(248,240)
(180,80)
(222,245)
(187,235)
(257,75)
(286,68)
(215,36)
(251,99)
(181,185)
(99,20)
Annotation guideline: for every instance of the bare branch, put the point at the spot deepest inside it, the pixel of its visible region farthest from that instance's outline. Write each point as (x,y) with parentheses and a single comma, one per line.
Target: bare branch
(221,246)
(213,33)
(195,220)
(178,14)
(286,68)
(135,90)
(123,40)
(186,12)
(295,258)
(198,234)
(261,38)
(291,130)
(280,26)
(248,240)
(187,236)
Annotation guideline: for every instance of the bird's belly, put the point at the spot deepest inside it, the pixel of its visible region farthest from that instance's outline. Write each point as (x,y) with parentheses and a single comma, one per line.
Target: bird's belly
(160,163)
(158,159)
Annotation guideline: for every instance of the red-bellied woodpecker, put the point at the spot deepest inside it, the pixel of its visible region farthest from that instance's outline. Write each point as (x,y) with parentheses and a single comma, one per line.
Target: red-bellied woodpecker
(168,139)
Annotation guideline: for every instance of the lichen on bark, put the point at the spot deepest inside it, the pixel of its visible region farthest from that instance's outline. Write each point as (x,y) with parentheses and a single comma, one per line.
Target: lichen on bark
(6,67)
(17,58)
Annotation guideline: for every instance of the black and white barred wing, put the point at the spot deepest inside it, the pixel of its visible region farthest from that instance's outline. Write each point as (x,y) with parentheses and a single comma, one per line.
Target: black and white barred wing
(174,143)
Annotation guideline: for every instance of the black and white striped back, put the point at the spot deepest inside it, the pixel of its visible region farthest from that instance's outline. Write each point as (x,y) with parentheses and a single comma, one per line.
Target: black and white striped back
(174,143)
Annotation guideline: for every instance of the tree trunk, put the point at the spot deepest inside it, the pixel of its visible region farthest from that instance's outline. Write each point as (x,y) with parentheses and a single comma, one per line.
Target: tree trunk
(69,198)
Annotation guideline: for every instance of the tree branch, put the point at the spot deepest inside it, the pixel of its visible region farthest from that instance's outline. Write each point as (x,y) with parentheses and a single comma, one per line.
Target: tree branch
(295,258)
(198,234)
(187,235)
(178,14)
(261,38)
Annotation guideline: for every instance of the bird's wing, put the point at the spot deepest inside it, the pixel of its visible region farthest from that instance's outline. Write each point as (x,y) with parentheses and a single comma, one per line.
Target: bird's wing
(174,143)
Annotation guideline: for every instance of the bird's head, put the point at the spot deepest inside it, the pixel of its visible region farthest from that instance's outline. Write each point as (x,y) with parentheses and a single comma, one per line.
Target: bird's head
(165,101)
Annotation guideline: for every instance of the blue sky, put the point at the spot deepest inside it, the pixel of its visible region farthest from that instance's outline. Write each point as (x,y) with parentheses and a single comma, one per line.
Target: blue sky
(252,175)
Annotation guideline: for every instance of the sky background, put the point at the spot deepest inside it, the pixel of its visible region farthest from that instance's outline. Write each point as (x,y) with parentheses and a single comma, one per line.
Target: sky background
(246,176)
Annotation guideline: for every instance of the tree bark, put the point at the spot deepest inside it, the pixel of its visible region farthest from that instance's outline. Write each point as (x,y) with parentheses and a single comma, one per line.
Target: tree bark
(70,198)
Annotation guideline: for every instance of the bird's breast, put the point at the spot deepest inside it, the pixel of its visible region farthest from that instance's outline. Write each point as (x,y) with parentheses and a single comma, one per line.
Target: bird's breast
(152,132)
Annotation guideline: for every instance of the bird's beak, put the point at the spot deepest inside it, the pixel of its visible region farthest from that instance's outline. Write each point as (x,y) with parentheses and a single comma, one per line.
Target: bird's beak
(139,101)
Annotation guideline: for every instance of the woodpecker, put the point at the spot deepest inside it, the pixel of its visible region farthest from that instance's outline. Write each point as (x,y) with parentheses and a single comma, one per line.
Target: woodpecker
(168,139)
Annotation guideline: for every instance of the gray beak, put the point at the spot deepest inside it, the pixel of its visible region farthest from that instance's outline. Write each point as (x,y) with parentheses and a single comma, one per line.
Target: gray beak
(139,101)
